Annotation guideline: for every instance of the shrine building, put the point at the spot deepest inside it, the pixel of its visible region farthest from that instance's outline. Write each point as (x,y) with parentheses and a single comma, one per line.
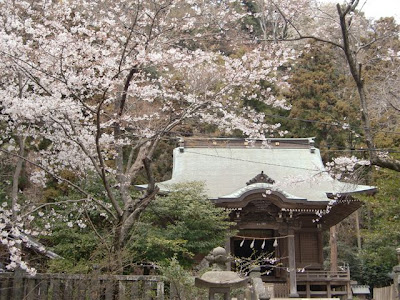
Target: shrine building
(281,198)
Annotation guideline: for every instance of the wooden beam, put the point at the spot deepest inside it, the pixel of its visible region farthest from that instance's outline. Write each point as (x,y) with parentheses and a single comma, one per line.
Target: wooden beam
(333,245)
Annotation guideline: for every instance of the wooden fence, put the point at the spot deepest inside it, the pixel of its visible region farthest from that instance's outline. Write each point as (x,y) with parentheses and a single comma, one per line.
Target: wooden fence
(20,286)
(385,293)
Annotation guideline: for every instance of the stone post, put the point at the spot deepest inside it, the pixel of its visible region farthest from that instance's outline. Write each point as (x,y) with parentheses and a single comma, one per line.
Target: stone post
(396,277)
(228,250)
(259,292)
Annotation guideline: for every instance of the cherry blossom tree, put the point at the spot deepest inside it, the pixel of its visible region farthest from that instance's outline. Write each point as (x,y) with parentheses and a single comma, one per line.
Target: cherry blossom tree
(347,30)
(103,82)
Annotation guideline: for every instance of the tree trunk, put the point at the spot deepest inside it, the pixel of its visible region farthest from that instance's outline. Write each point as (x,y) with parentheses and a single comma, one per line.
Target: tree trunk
(116,264)
(20,161)
(357,218)
(356,73)
(16,176)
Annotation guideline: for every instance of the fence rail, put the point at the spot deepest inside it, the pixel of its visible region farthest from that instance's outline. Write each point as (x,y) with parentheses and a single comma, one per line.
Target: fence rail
(323,276)
(80,287)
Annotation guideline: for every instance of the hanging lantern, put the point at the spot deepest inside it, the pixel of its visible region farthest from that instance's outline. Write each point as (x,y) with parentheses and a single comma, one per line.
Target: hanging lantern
(252,244)
(276,243)
(241,244)
(263,244)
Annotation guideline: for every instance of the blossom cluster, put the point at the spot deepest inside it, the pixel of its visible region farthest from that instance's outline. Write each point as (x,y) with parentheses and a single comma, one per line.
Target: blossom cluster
(341,166)
(13,238)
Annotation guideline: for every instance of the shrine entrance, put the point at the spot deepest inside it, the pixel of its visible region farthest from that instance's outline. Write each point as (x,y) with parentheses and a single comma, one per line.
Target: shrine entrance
(285,203)
(256,249)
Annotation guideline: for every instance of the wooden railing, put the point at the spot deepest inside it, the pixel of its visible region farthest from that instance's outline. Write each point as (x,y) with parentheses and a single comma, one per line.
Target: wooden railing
(76,287)
(323,276)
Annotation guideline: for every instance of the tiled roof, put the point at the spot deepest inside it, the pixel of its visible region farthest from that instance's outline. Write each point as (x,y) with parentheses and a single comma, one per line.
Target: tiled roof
(297,172)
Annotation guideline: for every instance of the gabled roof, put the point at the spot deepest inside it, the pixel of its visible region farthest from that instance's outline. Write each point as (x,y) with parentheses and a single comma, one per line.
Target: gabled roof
(360,289)
(292,167)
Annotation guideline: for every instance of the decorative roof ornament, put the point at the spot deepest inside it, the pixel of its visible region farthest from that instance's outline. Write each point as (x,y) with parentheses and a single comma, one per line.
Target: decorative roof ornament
(261,178)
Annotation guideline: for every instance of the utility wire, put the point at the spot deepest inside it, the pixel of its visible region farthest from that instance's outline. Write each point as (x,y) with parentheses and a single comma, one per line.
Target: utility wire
(336,124)
(282,140)
(253,161)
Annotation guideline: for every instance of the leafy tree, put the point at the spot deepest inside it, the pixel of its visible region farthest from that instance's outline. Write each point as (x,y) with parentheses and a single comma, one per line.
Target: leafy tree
(183,223)
(319,106)
(76,246)
(381,233)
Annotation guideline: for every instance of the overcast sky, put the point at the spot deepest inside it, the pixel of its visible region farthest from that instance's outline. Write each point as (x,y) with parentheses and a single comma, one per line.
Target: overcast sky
(377,8)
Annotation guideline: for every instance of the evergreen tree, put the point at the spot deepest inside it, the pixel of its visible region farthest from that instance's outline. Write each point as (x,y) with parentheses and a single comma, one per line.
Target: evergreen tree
(319,104)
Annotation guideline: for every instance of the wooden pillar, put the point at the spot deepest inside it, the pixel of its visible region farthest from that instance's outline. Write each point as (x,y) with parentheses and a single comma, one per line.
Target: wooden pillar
(292,265)
(333,245)
(320,248)
(349,292)
(329,290)
(18,287)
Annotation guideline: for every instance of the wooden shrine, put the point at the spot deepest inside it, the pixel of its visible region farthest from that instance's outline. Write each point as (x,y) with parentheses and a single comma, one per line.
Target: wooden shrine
(281,198)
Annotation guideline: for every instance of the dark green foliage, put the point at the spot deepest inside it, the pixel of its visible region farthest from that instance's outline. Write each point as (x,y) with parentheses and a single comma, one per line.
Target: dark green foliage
(80,231)
(377,264)
(315,96)
(6,170)
(44,143)
(250,23)
(380,222)
(162,169)
(181,280)
(381,229)
(184,223)
(76,247)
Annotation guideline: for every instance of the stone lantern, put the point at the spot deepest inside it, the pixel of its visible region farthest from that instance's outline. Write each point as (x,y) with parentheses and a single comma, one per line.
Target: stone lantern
(219,281)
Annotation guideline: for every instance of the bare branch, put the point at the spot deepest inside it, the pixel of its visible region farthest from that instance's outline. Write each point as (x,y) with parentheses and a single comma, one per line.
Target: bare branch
(300,35)
(52,204)
(127,42)
(391,104)
(387,163)
(128,80)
